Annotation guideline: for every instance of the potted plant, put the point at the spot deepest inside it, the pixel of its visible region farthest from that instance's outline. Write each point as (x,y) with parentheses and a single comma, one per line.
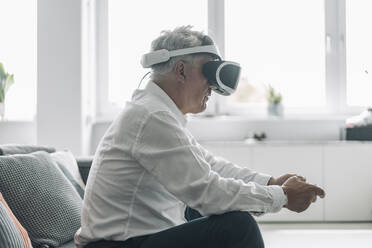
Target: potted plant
(6,80)
(274,100)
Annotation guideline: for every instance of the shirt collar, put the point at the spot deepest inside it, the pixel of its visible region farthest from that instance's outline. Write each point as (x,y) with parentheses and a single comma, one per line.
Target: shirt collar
(153,88)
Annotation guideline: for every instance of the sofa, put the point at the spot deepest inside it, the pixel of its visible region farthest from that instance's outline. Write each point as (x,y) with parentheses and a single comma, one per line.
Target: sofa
(42,192)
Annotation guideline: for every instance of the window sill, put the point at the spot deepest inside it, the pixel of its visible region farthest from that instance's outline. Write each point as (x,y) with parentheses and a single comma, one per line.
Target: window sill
(252,142)
(266,118)
(240,128)
(244,118)
(288,128)
(16,121)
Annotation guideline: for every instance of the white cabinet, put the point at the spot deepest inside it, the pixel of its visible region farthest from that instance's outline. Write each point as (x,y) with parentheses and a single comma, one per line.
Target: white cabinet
(303,160)
(348,182)
(342,169)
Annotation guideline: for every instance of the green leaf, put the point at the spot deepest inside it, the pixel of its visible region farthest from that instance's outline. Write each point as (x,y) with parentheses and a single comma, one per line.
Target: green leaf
(273,96)
(2,72)
(2,95)
(8,82)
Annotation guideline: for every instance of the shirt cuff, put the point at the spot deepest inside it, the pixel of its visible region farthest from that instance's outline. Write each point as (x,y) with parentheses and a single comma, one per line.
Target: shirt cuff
(279,198)
(262,179)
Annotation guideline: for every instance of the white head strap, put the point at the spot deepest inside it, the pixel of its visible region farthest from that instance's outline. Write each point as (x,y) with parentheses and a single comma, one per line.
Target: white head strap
(163,55)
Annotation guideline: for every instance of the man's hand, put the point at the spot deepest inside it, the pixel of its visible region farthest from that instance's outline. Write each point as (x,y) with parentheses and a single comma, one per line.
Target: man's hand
(280,180)
(300,194)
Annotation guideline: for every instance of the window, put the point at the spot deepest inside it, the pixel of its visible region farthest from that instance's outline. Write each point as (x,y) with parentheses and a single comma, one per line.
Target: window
(359,52)
(278,43)
(18,54)
(132,27)
(316,53)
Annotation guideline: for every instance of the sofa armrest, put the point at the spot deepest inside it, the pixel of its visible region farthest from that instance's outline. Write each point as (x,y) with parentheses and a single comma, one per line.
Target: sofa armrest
(84,164)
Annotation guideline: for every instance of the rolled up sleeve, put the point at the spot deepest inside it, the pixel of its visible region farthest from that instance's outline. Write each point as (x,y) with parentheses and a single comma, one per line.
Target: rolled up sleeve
(166,152)
(228,169)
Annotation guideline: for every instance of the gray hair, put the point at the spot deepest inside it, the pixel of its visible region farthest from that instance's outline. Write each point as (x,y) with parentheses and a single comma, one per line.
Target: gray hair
(180,37)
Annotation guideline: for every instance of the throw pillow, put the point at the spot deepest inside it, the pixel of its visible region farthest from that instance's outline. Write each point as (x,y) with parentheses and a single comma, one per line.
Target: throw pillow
(68,165)
(41,197)
(12,233)
(11,149)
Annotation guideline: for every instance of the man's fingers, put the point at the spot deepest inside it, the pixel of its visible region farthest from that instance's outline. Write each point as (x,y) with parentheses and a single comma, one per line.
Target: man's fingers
(318,191)
(303,179)
(298,177)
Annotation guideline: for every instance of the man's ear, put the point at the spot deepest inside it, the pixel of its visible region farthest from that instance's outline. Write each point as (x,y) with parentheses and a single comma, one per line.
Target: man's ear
(179,70)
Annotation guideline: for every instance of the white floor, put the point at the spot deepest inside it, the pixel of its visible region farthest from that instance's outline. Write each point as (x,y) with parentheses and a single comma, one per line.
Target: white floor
(317,235)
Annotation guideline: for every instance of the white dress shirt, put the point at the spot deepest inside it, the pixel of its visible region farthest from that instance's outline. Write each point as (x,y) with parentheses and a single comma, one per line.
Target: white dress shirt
(148,167)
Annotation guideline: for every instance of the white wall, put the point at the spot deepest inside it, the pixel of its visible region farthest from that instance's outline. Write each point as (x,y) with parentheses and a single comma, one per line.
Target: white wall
(17,132)
(59,91)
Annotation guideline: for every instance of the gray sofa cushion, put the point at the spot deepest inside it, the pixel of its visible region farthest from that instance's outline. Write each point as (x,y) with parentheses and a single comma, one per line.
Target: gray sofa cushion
(72,180)
(41,197)
(23,149)
(68,165)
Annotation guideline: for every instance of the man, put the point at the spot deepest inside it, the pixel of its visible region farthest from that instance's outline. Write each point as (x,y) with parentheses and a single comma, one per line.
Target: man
(148,167)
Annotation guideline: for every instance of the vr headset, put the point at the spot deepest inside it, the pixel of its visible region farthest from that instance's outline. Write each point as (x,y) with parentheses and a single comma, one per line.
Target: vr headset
(224,75)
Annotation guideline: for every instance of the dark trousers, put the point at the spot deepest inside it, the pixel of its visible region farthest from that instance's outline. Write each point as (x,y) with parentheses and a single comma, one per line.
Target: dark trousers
(230,230)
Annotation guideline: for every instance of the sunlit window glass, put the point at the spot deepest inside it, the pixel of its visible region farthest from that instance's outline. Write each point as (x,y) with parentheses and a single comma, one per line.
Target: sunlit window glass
(359,52)
(279,44)
(18,55)
(132,27)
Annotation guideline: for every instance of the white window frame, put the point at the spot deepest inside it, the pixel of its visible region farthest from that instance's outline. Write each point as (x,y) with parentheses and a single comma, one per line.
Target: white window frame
(104,109)
(336,105)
